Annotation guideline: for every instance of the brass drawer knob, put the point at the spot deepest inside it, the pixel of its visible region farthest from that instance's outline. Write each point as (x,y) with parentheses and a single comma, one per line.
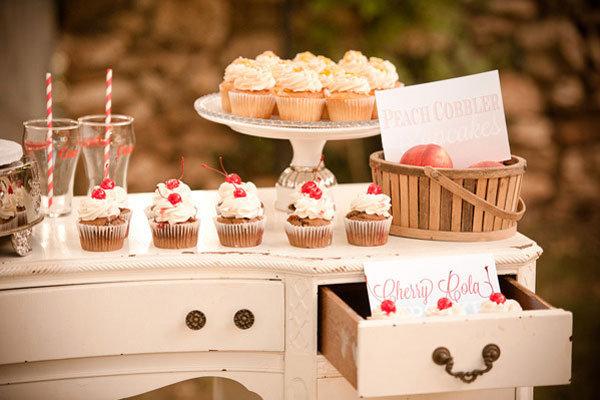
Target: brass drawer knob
(490,353)
(195,320)
(243,319)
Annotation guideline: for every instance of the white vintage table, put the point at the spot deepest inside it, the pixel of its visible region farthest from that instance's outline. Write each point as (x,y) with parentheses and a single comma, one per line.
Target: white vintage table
(108,325)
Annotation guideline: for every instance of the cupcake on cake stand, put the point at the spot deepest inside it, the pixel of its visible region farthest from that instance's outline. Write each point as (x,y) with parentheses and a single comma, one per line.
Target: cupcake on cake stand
(307,139)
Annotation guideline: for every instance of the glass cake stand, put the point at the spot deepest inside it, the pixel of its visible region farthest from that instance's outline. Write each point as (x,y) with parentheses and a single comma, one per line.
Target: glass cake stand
(307,139)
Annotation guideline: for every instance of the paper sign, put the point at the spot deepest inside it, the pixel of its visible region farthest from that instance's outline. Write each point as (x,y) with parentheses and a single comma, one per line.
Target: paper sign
(464,115)
(418,283)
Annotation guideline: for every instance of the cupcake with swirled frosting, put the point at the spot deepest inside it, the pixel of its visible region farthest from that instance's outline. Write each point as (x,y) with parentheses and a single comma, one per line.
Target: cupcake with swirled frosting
(381,75)
(444,307)
(173,219)
(240,220)
(348,98)
(101,226)
(252,93)
(300,96)
(119,195)
(498,303)
(311,223)
(232,72)
(8,209)
(368,222)
(388,310)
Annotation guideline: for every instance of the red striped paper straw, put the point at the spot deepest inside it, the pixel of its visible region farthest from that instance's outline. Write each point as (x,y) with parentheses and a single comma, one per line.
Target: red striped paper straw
(108,110)
(49,138)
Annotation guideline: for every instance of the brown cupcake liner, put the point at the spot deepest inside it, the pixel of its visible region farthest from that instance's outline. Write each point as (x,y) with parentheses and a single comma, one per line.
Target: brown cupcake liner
(246,234)
(21,218)
(300,108)
(367,233)
(360,109)
(100,237)
(309,237)
(127,217)
(251,105)
(9,224)
(178,236)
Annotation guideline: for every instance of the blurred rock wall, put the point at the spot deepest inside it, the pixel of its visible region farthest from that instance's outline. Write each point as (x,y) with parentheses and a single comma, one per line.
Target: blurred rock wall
(165,54)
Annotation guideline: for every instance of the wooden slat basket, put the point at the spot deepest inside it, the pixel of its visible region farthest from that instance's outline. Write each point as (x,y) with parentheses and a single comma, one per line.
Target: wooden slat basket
(475,204)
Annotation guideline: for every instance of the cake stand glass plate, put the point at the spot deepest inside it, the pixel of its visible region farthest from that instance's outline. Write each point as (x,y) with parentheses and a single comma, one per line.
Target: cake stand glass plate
(307,139)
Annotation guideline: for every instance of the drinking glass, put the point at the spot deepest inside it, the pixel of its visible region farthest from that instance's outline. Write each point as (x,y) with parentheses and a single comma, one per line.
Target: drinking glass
(66,146)
(122,142)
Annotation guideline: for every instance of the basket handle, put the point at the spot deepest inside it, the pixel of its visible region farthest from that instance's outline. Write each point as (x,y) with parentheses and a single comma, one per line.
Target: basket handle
(475,200)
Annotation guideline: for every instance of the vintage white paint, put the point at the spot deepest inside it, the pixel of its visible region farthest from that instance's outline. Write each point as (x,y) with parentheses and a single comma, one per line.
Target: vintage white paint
(141,295)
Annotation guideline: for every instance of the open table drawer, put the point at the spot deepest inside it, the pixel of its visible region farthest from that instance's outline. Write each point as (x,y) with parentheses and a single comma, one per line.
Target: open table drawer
(387,358)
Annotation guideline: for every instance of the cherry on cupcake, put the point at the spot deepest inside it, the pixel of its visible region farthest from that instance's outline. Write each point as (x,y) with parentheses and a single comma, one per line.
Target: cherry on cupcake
(308,187)
(98,194)
(444,303)
(172,184)
(239,192)
(316,193)
(388,306)
(107,184)
(10,191)
(373,189)
(498,298)
(174,198)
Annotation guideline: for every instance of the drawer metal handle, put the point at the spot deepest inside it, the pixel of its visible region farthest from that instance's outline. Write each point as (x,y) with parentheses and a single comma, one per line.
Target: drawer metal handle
(195,320)
(490,353)
(243,319)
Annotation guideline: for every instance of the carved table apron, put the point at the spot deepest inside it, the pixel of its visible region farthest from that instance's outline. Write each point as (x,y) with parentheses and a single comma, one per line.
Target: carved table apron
(111,325)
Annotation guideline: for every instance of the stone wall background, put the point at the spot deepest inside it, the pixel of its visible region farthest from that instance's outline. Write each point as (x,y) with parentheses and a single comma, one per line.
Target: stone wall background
(165,54)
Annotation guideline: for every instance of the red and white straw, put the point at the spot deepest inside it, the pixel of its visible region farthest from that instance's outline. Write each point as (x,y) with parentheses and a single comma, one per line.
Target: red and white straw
(49,138)
(108,110)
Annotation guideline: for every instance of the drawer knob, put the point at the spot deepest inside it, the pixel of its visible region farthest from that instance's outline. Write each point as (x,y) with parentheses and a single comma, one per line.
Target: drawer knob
(490,353)
(195,320)
(243,319)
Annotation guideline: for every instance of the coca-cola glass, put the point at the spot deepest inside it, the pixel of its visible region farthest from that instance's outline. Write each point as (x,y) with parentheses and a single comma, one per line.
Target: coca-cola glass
(66,145)
(122,142)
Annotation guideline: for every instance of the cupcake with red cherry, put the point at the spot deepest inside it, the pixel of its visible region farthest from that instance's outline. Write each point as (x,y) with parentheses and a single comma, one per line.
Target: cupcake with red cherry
(240,220)
(174,223)
(498,303)
(101,226)
(388,310)
(368,222)
(444,307)
(118,195)
(310,225)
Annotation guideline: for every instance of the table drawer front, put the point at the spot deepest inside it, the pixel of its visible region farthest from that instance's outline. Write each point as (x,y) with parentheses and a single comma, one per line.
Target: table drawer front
(138,317)
(382,358)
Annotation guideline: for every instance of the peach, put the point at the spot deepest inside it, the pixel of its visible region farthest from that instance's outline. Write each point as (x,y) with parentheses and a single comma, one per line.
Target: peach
(486,164)
(427,154)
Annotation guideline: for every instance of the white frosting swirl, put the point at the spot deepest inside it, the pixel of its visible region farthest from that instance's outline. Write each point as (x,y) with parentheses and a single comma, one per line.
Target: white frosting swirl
(241,207)
(401,313)
(279,69)
(116,194)
(353,61)
(8,206)
(307,207)
(349,82)
(162,191)
(378,204)
(381,75)
(326,75)
(226,189)
(254,79)
(455,309)
(164,211)
(237,68)
(304,57)
(300,80)
(509,305)
(19,193)
(91,209)
(267,58)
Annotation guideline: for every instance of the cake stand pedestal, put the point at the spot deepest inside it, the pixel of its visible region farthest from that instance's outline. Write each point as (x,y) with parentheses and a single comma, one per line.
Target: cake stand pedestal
(307,139)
